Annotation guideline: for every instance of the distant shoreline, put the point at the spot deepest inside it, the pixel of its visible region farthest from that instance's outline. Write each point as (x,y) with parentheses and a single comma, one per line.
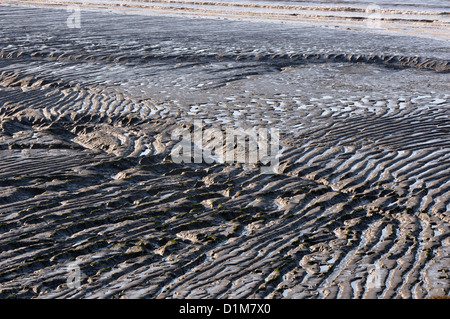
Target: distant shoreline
(423,21)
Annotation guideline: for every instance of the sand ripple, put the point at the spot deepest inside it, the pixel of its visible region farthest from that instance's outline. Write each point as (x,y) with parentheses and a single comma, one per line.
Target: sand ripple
(359,208)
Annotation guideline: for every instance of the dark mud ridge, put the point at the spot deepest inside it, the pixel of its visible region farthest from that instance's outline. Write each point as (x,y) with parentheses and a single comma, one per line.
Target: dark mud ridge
(282,60)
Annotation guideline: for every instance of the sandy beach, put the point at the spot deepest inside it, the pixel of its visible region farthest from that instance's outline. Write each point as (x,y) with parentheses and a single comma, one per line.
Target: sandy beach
(94,204)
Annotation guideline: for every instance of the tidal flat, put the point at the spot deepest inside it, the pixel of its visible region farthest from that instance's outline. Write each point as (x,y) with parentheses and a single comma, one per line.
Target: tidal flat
(93,205)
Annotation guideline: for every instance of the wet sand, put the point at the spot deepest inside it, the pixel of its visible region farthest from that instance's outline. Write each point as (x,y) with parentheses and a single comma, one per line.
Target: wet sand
(359,207)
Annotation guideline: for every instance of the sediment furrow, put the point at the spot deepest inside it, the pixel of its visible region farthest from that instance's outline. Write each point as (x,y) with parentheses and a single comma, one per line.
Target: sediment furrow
(433,197)
(419,245)
(434,172)
(83,101)
(357,160)
(406,135)
(57,166)
(69,99)
(426,159)
(78,102)
(360,171)
(396,128)
(405,253)
(240,243)
(406,291)
(112,104)
(279,245)
(380,165)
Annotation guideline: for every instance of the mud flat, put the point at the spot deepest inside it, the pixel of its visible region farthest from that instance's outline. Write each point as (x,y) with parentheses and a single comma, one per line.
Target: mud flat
(92,204)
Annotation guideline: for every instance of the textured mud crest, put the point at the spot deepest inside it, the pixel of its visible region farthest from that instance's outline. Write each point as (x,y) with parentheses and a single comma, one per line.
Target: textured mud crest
(93,204)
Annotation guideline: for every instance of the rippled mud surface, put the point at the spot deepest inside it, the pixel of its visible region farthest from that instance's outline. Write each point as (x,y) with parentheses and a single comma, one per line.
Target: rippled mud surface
(359,207)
